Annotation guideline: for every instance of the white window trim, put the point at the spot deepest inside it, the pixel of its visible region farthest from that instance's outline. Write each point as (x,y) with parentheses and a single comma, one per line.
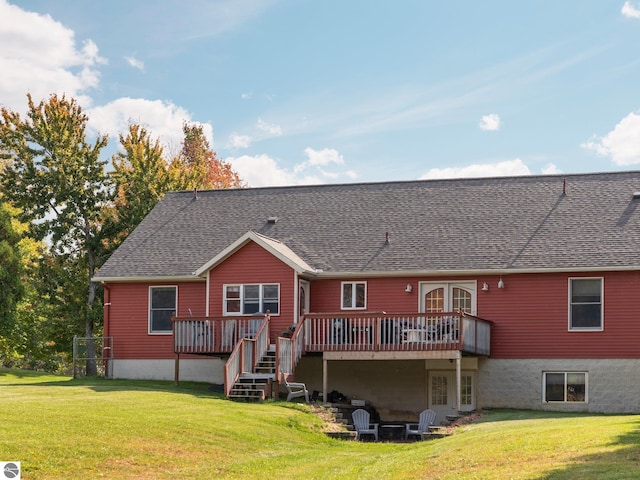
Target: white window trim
(163,332)
(353,295)
(260,298)
(544,387)
(585,329)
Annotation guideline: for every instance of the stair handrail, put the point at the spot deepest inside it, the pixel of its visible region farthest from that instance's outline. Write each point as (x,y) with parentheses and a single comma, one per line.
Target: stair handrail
(289,351)
(232,368)
(261,344)
(235,364)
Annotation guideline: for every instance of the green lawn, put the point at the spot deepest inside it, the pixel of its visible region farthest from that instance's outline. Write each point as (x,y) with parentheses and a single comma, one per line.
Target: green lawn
(93,428)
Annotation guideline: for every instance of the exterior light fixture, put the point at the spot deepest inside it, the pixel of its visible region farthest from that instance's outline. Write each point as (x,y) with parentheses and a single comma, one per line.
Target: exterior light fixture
(485,287)
(409,288)
(500,283)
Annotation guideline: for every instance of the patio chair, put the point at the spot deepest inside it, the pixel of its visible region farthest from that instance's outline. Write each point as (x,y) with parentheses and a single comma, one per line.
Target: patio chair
(295,389)
(361,422)
(427,418)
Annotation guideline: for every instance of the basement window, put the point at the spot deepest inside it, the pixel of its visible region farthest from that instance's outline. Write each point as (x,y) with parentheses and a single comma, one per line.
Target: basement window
(564,387)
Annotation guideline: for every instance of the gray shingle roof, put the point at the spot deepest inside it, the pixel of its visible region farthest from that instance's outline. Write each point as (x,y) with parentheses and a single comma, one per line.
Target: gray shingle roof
(465,225)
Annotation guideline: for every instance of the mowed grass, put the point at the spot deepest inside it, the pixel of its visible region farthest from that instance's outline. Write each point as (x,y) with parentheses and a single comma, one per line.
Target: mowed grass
(94,428)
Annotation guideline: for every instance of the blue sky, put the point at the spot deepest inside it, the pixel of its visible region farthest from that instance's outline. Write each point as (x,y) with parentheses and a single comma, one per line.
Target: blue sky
(300,91)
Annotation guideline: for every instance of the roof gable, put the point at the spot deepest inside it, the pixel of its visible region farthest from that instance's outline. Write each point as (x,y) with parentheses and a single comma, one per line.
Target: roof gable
(274,247)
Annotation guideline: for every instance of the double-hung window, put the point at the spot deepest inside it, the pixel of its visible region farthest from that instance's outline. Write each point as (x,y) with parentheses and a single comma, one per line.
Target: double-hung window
(354,295)
(163,304)
(586,304)
(248,299)
(565,387)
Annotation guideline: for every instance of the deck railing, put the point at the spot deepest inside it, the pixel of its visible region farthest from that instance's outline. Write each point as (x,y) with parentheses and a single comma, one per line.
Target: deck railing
(203,335)
(245,338)
(289,351)
(379,331)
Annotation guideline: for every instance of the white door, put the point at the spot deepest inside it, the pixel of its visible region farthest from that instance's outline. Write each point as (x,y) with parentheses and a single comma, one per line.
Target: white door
(442,393)
(448,297)
(303,299)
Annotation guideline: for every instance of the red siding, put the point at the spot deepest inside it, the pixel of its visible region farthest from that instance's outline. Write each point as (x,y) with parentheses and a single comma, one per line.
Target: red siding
(253,264)
(129,318)
(530,317)
(383,294)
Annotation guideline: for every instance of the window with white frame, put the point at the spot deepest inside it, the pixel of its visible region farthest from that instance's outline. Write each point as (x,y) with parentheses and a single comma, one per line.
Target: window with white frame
(585,304)
(248,299)
(163,304)
(354,295)
(567,387)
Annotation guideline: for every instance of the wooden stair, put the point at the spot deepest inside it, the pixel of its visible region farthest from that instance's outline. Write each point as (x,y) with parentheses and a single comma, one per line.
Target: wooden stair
(256,386)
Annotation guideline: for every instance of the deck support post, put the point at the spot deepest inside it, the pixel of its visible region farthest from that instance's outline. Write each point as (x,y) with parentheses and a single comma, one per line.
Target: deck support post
(325,379)
(458,383)
(177,370)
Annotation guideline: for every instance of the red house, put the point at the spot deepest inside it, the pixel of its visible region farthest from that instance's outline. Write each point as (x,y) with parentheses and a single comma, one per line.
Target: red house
(450,294)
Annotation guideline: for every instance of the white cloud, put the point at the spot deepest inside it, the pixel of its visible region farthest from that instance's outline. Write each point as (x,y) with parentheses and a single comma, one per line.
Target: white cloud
(501,169)
(550,169)
(264,171)
(269,128)
(622,144)
(628,10)
(490,122)
(162,119)
(239,141)
(325,156)
(43,58)
(322,158)
(246,96)
(135,63)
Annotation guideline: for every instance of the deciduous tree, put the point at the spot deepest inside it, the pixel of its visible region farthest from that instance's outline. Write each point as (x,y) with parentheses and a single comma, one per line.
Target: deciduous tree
(141,178)
(11,287)
(197,166)
(58,182)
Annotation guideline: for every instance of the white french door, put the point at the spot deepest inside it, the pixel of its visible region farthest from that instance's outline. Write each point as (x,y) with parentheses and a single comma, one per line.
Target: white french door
(448,297)
(442,393)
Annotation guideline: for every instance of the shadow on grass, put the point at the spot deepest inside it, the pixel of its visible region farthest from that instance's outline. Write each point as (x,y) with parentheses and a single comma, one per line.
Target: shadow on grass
(506,414)
(621,464)
(28,378)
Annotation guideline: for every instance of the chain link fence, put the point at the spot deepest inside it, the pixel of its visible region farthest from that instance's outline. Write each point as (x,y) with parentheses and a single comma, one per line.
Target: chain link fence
(92,356)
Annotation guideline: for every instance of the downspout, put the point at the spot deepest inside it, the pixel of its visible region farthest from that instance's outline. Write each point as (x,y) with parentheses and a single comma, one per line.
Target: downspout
(107,309)
(207,293)
(296,297)
(106,324)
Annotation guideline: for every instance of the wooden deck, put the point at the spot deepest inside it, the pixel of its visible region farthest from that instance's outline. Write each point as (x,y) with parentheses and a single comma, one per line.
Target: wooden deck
(397,332)
(340,332)
(366,335)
